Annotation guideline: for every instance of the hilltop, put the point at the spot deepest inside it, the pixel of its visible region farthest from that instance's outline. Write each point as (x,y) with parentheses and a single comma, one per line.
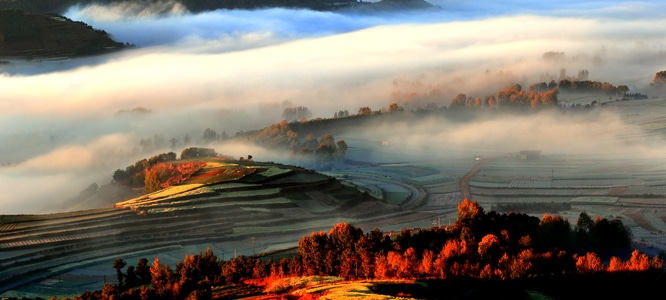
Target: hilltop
(28,35)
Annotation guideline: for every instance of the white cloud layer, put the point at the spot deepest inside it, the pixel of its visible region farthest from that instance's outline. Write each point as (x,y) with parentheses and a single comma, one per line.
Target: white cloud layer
(235,70)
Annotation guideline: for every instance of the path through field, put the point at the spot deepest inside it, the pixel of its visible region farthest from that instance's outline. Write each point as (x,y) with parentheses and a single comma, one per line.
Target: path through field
(464,181)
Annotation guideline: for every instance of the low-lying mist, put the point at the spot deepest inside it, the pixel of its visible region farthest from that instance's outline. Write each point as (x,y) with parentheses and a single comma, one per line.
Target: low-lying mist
(63,129)
(601,133)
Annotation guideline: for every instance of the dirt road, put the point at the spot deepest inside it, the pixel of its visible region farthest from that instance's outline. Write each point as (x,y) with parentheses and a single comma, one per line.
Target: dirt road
(464,181)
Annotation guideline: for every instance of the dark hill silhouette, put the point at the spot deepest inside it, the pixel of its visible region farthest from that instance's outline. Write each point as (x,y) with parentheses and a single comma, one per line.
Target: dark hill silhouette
(27,35)
(60,6)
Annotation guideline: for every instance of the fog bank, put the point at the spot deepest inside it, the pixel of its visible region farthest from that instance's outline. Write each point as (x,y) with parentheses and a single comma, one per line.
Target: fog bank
(236,70)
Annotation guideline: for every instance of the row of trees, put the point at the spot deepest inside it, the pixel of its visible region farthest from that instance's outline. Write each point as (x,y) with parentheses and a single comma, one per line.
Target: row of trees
(296,113)
(542,94)
(594,87)
(511,96)
(538,95)
(479,245)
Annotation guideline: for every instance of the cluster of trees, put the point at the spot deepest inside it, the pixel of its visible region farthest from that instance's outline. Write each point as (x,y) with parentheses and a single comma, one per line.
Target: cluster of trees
(634,96)
(296,113)
(322,152)
(511,96)
(166,174)
(159,142)
(479,245)
(341,114)
(198,152)
(541,94)
(134,175)
(162,170)
(659,78)
(544,94)
(210,135)
(595,87)
(367,111)
(658,84)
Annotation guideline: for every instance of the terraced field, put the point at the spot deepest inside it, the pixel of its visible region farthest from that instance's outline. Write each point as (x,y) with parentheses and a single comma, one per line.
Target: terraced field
(240,212)
(221,208)
(630,189)
(264,207)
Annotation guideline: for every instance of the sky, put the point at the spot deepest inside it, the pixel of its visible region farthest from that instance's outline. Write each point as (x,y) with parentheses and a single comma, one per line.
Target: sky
(61,126)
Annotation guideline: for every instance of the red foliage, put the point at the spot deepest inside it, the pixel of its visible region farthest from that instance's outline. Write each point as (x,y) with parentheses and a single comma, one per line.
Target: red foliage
(175,173)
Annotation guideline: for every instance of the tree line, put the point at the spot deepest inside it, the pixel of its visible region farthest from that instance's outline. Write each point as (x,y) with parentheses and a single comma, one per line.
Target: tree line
(538,95)
(304,138)
(479,245)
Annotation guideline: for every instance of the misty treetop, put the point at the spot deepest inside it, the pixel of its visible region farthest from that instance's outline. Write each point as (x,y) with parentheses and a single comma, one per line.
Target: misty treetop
(297,113)
(658,84)
(659,78)
(316,152)
(297,134)
(310,145)
(538,95)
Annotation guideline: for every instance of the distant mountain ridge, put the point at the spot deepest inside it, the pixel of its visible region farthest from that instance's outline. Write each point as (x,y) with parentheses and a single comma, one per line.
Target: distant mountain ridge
(26,35)
(60,6)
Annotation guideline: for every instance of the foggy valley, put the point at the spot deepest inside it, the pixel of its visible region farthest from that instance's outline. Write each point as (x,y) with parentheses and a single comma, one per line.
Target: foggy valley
(68,123)
(236,70)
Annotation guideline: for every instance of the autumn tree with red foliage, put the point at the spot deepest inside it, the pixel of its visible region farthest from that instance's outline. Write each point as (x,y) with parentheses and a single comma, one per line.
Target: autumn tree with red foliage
(479,246)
